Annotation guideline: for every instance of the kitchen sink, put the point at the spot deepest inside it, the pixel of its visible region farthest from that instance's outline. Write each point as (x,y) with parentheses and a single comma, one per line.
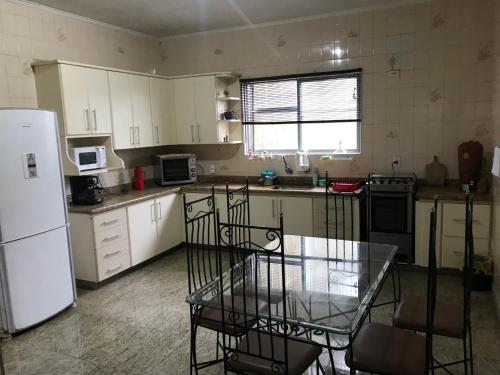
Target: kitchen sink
(281,187)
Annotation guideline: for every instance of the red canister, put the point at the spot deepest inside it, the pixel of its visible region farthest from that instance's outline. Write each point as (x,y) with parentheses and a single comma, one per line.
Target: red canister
(470,158)
(139,178)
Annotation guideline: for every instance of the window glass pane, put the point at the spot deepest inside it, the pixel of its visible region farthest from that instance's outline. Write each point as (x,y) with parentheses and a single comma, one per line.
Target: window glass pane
(330,99)
(330,136)
(275,137)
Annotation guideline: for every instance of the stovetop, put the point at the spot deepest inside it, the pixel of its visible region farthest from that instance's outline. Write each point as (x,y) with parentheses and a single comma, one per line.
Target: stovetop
(396,182)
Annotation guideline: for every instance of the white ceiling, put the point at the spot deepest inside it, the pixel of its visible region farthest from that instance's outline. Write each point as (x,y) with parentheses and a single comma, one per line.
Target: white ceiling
(163,18)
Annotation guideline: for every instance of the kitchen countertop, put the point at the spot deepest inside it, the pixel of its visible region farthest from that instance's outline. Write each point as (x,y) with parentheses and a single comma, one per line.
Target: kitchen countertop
(112,201)
(151,191)
(451,194)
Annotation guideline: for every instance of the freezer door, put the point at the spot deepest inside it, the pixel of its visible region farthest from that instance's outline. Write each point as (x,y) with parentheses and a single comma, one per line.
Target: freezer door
(31,186)
(36,278)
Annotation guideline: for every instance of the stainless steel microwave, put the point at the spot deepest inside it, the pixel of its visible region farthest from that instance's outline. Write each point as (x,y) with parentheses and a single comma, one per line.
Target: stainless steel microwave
(88,158)
(173,169)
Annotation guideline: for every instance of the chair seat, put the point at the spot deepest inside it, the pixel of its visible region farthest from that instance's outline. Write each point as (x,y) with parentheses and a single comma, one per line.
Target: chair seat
(383,349)
(301,354)
(411,314)
(211,318)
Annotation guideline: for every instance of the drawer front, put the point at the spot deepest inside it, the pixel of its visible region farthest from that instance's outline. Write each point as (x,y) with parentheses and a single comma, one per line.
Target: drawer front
(453,250)
(113,264)
(111,236)
(341,234)
(110,220)
(454,220)
(335,220)
(339,204)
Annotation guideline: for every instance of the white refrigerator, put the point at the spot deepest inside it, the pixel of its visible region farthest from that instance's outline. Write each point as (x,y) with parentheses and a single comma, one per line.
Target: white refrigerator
(36,268)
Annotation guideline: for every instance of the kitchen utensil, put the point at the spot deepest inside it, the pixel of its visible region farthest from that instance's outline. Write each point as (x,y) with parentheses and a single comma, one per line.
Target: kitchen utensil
(139,178)
(344,187)
(436,173)
(84,190)
(288,170)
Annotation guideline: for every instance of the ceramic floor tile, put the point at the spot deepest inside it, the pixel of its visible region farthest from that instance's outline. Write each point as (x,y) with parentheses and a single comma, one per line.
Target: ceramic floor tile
(139,324)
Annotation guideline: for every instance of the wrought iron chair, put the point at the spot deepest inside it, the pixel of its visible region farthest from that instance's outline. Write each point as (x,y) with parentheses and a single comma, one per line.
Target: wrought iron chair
(452,318)
(202,267)
(266,348)
(382,349)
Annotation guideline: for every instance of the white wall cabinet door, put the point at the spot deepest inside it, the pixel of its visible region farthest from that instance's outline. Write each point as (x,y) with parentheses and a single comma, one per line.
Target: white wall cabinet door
(162,111)
(185,111)
(297,215)
(121,108)
(141,109)
(75,99)
(205,110)
(131,110)
(422,223)
(169,225)
(142,231)
(99,105)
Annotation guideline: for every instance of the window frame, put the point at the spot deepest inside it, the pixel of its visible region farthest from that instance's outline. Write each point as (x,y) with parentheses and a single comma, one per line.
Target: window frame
(248,127)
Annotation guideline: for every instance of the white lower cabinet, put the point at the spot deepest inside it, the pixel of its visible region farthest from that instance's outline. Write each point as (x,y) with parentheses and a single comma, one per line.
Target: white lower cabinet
(99,244)
(343,217)
(450,233)
(153,226)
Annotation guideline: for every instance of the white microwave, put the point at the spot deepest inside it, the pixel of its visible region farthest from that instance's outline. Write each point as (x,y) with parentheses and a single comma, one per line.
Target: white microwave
(88,158)
(173,169)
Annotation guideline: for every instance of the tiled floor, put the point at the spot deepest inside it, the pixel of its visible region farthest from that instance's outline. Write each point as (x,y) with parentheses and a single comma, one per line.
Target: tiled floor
(139,325)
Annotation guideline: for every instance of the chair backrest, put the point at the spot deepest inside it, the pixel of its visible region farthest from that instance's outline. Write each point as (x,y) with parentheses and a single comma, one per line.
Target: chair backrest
(431,285)
(238,212)
(339,213)
(468,270)
(249,287)
(201,239)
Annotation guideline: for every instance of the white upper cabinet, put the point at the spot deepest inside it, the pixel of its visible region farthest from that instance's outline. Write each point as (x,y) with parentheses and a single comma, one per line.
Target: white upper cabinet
(196,110)
(79,95)
(162,111)
(131,110)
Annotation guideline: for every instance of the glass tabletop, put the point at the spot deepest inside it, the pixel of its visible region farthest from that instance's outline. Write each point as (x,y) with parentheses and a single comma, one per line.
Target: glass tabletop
(329,282)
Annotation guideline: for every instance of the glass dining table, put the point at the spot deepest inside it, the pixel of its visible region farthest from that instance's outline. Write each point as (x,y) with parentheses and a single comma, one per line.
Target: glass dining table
(331,285)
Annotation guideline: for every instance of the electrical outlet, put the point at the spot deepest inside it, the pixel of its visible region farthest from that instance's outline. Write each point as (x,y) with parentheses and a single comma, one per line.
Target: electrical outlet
(212,169)
(396,161)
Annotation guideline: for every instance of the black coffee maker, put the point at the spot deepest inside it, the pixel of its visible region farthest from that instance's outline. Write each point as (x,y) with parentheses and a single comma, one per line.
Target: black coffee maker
(84,190)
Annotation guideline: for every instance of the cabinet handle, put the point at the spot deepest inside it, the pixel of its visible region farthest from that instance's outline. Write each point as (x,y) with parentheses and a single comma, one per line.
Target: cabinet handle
(157,135)
(107,255)
(87,123)
(153,213)
(132,135)
(138,135)
(114,269)
(111,238)
(109,222)
(281,206)
(273,207)
(95,119)
(158,216)
(192,134)
(199,139)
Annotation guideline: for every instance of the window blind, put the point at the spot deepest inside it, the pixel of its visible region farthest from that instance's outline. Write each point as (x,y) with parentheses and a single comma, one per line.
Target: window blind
(302,99)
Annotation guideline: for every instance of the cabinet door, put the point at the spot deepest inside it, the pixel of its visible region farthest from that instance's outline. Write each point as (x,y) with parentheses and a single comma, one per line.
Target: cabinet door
(422,222)
(75,99)
(141,109)
(99,105)
(205,109)
(297,215)
(170,226)
(184,111)
(142,231)
(121,110)
(162,115)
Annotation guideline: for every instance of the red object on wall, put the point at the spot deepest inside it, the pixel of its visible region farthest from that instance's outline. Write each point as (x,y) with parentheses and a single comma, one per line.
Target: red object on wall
(139,178)
(470,157)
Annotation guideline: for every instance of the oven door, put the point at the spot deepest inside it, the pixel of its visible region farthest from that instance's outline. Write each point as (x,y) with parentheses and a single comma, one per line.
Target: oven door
(175,170)
(391,212)
(87,160)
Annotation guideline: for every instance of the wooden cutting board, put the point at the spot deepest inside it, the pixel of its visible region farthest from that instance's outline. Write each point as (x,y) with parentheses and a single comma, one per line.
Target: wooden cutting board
(436,173)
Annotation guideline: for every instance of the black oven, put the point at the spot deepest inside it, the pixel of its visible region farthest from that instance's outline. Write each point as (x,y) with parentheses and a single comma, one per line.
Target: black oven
(391,213)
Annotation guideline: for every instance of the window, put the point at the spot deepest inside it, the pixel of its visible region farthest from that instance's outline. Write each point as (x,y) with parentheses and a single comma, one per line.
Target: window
(316,113)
